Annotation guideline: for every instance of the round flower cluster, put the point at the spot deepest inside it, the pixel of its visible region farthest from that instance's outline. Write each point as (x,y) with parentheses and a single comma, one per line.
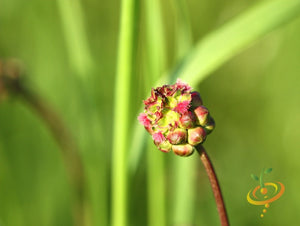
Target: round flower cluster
(176,118)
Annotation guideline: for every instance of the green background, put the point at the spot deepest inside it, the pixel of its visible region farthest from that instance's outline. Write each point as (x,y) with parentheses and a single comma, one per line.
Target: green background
(69,52)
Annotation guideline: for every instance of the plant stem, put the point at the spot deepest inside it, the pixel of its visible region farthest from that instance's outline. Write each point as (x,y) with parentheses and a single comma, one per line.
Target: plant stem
(155,63)
(60,132)
(156,184)
(122,109)
(182,168)
(73,24)
(68,147)
(214,184)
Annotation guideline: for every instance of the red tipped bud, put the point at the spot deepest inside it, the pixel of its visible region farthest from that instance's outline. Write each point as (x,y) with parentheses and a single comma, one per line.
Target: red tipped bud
(196,99)
(158,138)
(178,136)
(149,129)
(196,135)
(165,146)
(188,120)
(202,114)
(183,149)
(209,127)
(182,107)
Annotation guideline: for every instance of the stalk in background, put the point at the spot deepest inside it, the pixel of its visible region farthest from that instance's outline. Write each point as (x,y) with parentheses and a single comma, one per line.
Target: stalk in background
(121,112)
(183,211)
(12,83)
(90,128)
(153,67)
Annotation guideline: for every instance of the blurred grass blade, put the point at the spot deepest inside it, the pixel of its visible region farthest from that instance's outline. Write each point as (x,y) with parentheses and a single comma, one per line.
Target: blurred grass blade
(156,186)
(155,41)
(122,111)
(183,206)
(75,35)
(80,57)
(183,29)
(153,68)
(229,40)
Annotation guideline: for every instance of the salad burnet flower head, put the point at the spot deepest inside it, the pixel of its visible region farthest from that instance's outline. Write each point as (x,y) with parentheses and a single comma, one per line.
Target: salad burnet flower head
(176,118)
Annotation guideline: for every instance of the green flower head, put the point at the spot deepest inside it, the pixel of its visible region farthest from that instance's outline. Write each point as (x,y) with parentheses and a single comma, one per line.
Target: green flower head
(176,118)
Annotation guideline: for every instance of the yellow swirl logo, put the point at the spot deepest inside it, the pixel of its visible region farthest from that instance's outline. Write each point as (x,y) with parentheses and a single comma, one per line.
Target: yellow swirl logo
(265,193)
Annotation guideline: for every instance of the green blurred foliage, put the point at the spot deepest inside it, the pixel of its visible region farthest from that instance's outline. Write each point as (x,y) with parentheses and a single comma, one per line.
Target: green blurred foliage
(254,99)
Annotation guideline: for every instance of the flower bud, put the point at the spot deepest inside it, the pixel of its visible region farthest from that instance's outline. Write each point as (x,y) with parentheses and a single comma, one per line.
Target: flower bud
(196,100)
(178,136)
(165,146)
(158,138)
(149,129)
(196,135)
(209,127)
(188,120)
(202,115)
(183,149)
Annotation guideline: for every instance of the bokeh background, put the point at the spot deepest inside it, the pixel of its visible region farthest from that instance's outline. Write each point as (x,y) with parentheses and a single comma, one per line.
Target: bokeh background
(69,52)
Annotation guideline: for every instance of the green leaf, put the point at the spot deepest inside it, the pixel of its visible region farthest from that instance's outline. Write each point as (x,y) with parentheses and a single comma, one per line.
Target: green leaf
(229,40)
(79,52)
(254,177)
(183,204)
(154,64)
(269,170)
(121,118)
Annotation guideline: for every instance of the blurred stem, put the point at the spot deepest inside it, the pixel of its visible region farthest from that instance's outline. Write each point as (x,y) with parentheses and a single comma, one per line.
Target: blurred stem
(90,134)
(156,186)
(154,65)
(69,149)
(214,184)
(183,205)
(61,134)
(155,39)
(121,112)
(75,36)
(184,183)
(183,28)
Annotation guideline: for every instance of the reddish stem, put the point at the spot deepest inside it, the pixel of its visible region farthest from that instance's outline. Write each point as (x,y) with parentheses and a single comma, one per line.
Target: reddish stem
(214,184)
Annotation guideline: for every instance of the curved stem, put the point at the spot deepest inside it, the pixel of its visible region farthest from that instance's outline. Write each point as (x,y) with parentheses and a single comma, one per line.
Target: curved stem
(70,152)
(214,184)
(10,80)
